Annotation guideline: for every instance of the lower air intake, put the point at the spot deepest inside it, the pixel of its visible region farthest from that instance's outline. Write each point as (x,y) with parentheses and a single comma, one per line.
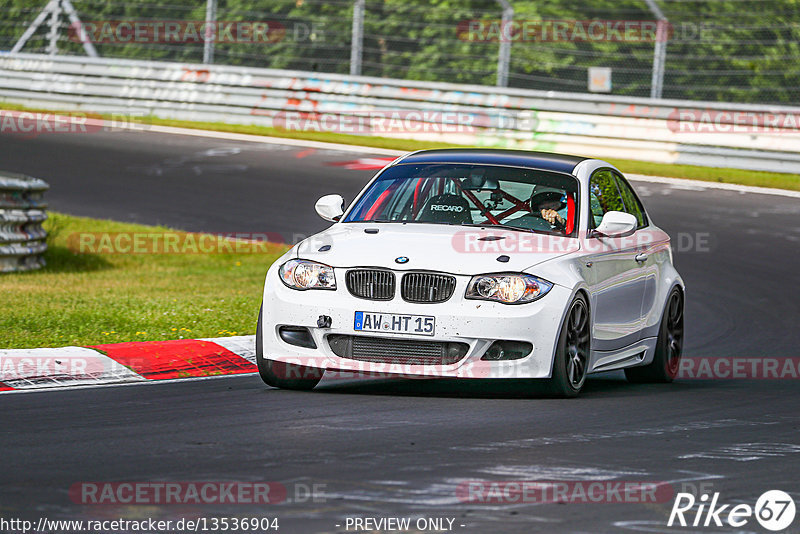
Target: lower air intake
(397,351)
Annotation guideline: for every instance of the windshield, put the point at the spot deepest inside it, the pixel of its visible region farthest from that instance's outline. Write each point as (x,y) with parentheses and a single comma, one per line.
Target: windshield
(458,194)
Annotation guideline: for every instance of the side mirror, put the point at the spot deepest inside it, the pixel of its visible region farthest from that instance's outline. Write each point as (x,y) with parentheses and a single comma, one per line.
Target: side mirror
(616,224)
(330,207)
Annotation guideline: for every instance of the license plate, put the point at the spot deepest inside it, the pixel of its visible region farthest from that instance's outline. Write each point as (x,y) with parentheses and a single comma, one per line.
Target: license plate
(422,325)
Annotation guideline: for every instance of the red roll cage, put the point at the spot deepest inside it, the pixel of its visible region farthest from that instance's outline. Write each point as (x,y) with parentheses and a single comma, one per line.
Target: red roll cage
(421,192)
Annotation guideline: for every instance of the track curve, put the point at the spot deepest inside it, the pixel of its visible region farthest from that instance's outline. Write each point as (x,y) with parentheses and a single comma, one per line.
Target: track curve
(403,447)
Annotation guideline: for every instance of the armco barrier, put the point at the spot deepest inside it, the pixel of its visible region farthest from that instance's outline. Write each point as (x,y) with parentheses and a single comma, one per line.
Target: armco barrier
(22,212)
(728,135)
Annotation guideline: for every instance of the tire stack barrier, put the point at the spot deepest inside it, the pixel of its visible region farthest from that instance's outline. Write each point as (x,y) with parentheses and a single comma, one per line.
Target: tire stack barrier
(22,212)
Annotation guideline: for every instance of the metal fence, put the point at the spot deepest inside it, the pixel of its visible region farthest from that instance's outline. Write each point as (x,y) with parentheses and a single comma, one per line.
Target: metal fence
(732,51)
(613,127)
(22,238)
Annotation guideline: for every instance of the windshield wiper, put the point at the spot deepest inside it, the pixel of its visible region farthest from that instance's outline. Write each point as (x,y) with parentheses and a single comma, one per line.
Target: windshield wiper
(386,221)
(504,227)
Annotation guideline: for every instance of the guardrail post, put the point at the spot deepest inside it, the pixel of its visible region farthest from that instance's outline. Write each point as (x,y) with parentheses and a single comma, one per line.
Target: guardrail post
(357,43)
(504,54)
(22,212)
(660,50)
(211,34)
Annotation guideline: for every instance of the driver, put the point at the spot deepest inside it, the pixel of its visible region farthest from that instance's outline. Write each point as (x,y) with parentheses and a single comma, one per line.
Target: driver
(548,204)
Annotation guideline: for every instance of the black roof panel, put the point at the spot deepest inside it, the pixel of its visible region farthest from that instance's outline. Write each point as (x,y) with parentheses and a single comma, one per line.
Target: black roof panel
(494,156)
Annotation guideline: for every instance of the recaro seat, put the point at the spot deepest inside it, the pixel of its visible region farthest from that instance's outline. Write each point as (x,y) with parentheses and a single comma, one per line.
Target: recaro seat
(447,209)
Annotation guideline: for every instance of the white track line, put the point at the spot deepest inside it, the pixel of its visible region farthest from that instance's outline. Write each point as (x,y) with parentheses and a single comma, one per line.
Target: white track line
(389,152)
(230,136)
(700,184)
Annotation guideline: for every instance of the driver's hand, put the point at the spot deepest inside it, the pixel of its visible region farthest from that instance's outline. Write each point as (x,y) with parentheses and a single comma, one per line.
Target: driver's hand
(553,217)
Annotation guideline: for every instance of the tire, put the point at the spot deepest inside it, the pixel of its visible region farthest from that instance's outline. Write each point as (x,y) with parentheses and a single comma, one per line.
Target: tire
(273,372)
(572,351)
(669,346)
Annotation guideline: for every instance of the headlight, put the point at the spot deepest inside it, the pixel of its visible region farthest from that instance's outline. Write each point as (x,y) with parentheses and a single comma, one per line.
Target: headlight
(507,288)
(305,274)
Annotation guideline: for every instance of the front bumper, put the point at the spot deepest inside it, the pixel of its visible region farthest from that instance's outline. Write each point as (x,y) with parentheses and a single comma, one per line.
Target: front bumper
(477,323)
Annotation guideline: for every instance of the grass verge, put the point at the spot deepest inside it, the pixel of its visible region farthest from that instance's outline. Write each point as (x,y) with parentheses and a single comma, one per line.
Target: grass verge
(690,172)
(86,299)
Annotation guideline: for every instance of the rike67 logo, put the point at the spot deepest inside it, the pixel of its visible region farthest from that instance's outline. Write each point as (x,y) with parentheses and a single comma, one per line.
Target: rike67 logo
(774,510)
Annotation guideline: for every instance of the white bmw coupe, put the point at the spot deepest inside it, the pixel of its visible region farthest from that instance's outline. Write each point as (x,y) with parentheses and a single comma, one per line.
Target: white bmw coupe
(474,263)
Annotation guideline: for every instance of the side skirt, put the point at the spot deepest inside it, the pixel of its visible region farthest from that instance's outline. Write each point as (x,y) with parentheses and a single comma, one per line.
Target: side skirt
(639,353)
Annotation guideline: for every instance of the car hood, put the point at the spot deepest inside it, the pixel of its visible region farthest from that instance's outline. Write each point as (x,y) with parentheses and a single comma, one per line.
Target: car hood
(451,249)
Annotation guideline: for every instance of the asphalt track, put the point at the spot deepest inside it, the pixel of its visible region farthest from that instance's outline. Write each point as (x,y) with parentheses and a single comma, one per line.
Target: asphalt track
(403,447)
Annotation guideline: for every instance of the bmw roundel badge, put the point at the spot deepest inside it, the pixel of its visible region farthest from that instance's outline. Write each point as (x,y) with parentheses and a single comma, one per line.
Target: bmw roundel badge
(401,259)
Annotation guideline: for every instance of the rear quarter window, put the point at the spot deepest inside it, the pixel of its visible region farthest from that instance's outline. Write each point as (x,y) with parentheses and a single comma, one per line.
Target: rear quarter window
(632,203)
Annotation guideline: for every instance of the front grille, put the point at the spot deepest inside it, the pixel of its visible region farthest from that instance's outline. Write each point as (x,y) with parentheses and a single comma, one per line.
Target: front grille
(373,284)
(397,351)
(427,287)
